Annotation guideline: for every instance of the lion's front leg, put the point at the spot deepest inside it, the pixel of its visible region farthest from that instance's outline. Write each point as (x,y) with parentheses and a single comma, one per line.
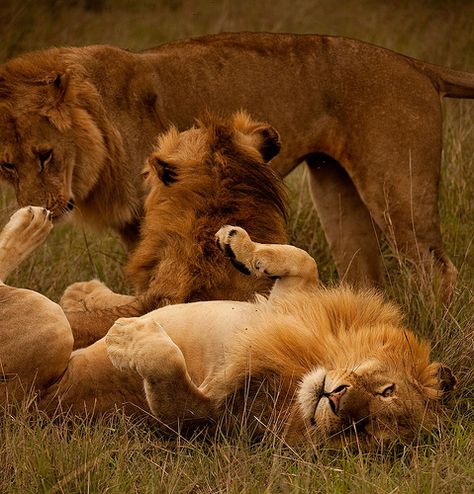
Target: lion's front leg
(142,345)
(27,229)
(292,268)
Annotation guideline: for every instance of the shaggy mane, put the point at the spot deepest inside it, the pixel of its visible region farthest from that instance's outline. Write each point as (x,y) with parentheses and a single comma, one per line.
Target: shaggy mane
(332,328)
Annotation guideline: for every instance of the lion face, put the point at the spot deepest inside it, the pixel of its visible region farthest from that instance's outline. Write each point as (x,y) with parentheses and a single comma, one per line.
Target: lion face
(371,401)
(36,160)
(51,150)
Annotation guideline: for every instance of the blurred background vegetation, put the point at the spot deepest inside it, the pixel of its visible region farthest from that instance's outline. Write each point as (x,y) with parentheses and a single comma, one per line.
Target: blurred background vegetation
(435,30)
(38,456)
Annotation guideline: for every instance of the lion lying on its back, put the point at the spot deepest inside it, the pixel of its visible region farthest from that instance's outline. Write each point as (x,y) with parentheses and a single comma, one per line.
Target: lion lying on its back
(210,175)
(306,364)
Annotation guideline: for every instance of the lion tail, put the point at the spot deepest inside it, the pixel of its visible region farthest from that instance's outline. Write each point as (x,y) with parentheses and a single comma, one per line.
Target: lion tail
(450,83)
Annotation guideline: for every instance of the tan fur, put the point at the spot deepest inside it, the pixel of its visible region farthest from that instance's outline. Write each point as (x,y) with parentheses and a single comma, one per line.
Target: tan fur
(366,120)
(273,366)
(348,338)
(200,179)
(277,364)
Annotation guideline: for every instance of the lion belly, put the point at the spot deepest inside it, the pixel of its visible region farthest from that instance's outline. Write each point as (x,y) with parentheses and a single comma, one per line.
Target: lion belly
(204,331)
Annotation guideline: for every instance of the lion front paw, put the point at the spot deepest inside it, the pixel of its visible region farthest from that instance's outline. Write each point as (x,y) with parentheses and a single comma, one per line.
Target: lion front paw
(142,345)
(274,261)
(237,246)
(27,229)
(247,256)
(85,296)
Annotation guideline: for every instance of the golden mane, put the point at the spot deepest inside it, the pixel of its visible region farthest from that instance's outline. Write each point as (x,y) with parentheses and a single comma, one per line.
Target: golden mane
(330,328)
(54,84)
(211,178)
(199,180)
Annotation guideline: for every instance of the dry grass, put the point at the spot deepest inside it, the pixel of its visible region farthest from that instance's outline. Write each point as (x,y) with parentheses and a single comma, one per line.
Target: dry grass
(40,455)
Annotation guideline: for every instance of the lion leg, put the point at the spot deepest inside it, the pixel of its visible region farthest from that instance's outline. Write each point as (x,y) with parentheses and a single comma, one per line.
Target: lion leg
(35,343)
(92,308)
(403,200)
(91,295)
(292,268)
(35,337)
(143,346)
(90,326)
(27,229)
(348,226)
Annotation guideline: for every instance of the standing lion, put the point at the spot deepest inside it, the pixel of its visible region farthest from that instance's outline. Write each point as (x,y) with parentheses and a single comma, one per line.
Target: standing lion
(77,123)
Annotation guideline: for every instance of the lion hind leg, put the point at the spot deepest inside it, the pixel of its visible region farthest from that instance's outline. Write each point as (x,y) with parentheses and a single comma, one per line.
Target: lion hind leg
(143,346)
(291,267)
(91,295)
(27,229)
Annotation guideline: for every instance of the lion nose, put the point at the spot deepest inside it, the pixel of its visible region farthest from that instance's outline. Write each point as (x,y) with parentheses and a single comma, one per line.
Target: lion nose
(335,396)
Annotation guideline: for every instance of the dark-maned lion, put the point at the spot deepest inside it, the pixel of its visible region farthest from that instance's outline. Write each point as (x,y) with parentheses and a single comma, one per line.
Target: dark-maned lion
(77,123)
(213,174)
(306,364)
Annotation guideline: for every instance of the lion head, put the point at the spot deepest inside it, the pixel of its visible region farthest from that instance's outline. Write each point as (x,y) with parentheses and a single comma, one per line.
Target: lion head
(57,145)
(214,173)
(373,401)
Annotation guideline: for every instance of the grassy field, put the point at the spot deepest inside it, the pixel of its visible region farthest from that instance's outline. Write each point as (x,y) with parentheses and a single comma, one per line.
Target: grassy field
(118,456)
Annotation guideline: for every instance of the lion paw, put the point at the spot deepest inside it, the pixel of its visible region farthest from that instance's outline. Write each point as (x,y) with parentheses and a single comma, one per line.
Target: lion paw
(85,296)
(247,256)
(27,229)
(142,345)
(273,261)
(237,246)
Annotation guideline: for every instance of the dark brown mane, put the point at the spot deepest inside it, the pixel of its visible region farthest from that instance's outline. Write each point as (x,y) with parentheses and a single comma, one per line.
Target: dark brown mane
(241,173)
(231,184)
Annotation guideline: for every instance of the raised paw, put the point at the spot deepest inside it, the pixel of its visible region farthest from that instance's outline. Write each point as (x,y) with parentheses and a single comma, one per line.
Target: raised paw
(236,245)
(29,226)
(26,230)
(142,345)
(247,256)
(273,261)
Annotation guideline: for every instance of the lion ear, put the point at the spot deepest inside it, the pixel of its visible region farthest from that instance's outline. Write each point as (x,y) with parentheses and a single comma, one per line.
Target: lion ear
(165,171)
(61,85)
(438,380)
(58,85)
(261,136)
(270,143)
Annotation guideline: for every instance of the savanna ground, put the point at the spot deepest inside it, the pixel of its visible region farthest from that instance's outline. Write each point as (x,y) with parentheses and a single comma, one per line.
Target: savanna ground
(117,456)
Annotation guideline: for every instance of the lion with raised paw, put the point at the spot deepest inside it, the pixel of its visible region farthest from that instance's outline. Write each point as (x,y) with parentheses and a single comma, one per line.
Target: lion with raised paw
(305,364)
(212,174)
